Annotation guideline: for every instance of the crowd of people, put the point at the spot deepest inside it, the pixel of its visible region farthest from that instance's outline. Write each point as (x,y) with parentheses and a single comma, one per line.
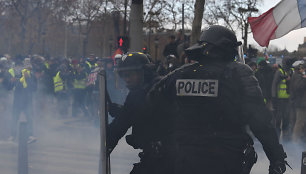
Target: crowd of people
(284,90)
(72,83)
(34,86)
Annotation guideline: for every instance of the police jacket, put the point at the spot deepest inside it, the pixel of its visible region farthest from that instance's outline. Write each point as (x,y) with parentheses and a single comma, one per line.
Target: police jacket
(212,102)
(134,114)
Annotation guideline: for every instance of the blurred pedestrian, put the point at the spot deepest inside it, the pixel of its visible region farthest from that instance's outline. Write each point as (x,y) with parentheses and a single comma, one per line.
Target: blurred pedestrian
(61,90)
(264,75)
(25,85)
(41,98)
(93,91)
(171,47)
(50,69)
(5,86)
(298,92)
(91,63)
(280,99)
(79,89)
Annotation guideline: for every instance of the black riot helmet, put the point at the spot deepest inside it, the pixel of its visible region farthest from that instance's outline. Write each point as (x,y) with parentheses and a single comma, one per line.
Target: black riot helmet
(215,42)
(132,61)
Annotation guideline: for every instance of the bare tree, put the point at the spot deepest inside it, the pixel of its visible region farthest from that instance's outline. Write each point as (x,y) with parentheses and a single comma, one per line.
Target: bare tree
(154,14)
(218,12)
(86,12)
(174,13)
(63,14)
(25,9)
(232,13)
(74,27)
(197,21)
(160,14)
(45,9)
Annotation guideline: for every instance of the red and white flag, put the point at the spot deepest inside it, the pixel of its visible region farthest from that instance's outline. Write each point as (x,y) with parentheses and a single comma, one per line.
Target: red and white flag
(286,16)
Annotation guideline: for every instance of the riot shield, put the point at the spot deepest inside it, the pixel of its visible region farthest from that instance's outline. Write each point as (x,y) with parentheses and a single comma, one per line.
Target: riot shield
(104,165)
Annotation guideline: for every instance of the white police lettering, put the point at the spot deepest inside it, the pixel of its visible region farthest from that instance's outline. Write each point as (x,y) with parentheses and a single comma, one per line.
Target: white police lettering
(197,87)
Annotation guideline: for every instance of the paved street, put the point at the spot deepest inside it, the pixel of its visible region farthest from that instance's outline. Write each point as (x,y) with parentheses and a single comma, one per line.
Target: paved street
(294,153)
(65,147)
(72,147)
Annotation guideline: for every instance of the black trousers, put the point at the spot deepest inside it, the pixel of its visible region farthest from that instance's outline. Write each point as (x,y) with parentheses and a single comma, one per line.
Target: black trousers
(62,99)
(153,165)
(198,159)
(282,118)
(79,102)
(18,108)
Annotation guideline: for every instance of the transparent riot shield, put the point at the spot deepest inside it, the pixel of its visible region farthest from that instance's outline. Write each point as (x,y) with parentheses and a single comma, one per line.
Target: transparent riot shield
(104,165)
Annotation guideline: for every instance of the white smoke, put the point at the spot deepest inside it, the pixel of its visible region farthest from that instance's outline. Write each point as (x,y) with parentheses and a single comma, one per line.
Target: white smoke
(294,153)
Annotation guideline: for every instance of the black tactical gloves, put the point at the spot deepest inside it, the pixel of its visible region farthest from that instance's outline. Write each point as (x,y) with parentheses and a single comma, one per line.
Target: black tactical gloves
(277,167)
(115,109)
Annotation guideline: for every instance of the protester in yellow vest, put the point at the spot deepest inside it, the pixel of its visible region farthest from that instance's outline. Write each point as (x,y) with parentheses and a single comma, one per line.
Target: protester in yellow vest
(280,99)
(60,82)
(79,89)
(25,74)
(25,85)
(90,63)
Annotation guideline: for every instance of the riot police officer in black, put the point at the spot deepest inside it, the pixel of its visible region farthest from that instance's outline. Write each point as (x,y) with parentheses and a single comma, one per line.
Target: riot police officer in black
(206,106)
(138,73)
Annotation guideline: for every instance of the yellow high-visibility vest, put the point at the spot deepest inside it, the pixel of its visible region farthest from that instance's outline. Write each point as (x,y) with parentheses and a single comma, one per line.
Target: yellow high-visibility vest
(58,83)
(12,72)
(23,79)
(95,65)
(79,84)
(282,87)
(47,65)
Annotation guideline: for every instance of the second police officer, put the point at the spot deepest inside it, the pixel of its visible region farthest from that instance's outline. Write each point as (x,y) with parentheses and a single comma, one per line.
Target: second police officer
(205,107)
(135,69)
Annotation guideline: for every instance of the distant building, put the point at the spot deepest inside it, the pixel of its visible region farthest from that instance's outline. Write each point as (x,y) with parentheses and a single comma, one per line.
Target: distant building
(302,47)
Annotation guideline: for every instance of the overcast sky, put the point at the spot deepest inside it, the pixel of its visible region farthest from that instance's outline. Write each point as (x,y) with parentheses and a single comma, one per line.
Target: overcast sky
(289,41)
